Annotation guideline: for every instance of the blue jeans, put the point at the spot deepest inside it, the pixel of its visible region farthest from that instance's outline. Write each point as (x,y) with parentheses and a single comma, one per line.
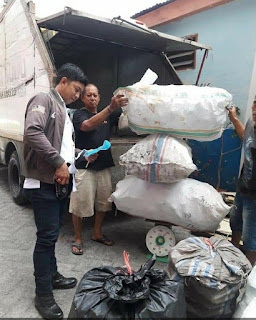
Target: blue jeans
(48,213)
(243,220)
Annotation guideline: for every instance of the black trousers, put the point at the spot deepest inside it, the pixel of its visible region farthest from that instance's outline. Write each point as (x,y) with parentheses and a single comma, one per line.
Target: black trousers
(48,213)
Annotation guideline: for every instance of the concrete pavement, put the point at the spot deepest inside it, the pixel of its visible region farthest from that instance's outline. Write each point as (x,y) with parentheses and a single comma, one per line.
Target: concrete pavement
(17,236)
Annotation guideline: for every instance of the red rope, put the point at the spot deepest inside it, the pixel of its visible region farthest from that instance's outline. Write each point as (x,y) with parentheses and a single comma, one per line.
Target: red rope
(127,262)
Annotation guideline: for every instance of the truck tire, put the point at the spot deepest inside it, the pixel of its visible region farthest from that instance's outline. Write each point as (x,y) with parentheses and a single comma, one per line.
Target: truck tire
(15,179)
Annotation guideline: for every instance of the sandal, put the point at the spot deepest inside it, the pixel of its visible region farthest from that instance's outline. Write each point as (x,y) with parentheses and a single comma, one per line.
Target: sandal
(79,246)
(104,240)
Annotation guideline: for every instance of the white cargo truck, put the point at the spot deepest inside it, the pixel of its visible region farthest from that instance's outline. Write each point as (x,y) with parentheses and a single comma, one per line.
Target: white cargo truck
(112,53)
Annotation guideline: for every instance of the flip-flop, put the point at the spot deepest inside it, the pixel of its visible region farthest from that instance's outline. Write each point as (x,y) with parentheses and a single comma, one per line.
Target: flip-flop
(104,240)
(79,246)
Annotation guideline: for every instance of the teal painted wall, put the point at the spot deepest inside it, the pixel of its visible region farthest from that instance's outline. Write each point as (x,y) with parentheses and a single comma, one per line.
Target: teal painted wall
(230,30)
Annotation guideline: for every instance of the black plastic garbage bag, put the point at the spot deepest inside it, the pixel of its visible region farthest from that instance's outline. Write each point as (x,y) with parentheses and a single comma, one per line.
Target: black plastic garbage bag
(117,293)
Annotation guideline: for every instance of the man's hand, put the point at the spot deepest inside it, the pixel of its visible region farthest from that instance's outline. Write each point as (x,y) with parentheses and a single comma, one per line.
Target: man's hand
(239,127)
(92,157)
(232,114)
(118,102)
(62,174)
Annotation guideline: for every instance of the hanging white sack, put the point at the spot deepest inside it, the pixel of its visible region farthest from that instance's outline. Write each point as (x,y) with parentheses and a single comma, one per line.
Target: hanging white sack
(184,111)
(159,158)
(188,203)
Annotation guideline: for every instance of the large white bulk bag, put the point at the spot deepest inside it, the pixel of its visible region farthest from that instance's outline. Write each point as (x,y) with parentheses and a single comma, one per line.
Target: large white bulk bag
(187,203)
(159,158)
(184,111)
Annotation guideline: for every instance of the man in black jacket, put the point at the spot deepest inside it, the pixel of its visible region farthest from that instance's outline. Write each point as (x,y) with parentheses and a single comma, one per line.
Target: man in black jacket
(49,153)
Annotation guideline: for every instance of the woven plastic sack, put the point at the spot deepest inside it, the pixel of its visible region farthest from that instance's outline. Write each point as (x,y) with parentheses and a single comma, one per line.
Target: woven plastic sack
(247,306)
(184,111)
(187,203)
(159,159)
(214,273)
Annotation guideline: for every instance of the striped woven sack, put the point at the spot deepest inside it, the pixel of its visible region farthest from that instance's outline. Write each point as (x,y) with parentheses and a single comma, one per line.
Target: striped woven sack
(159,158)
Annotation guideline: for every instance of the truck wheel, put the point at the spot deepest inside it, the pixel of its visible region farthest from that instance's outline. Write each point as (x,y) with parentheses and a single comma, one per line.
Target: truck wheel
(15,179)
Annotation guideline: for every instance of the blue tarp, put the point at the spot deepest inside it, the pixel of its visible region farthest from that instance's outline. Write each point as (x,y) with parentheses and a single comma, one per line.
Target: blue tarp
(207,157)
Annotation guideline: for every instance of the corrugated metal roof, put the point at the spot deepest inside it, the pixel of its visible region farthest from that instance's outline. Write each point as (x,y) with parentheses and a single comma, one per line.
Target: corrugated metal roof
(156,6)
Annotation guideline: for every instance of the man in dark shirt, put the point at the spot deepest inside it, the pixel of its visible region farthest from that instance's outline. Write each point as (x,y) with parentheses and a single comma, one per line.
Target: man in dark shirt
(93,180)
(243,215)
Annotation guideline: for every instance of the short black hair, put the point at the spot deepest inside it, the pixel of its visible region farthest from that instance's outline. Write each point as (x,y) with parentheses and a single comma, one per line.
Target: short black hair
(72,73)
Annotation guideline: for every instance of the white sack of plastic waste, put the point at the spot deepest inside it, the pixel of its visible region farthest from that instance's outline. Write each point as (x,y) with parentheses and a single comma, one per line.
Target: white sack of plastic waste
(187,203)
(184,111)
(159,158)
